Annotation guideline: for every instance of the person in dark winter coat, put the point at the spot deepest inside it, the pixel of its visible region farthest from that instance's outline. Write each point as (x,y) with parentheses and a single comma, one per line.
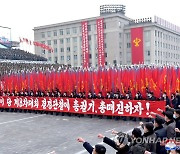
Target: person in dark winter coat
(177,120)
(120,145)
(169,124)
(150,137)
(174,101)
(160,132)
(136,146)
(99,149)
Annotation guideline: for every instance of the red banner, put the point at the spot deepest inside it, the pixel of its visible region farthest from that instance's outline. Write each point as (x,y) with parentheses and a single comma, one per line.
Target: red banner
(100,39)
(85,44)
(137,45)
(38,44)
(134,108)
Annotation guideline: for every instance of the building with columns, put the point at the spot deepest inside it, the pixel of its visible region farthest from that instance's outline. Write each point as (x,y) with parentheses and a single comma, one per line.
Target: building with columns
(160,40)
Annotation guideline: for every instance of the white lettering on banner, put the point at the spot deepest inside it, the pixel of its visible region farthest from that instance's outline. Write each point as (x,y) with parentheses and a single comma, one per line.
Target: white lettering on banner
(25,102)
(9,101)
(102,107)
(61,105)
(91,106)
(31,103)
(83,106)
(36,103)
(76,105)
(2,101)
(20,102)
(16,101)
(67,105)
(138,108)
(129,108)
(55,104)
(49,104)
(44,103)
(110,107)
(120,107)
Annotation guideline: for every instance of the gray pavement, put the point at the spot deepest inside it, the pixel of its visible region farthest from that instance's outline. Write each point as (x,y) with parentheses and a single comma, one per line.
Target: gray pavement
(29,133)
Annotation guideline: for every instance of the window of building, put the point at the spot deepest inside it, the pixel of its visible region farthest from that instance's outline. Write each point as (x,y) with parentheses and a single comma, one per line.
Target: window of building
(75,48)
(74,39)
(75,57)
(55,42)
(114,62)
(90,56)
(89,37)
(120,35)
(105,54)
(43,35)
(89,27)
(43,52)
(56,59)
(74,30)
(62,49)
(80,29)
(148,53)
(155,33)
(68,49)
(104,35)
(128,35)
(49,58)
(55,50)
(61,41)
(49,34)
(68,58)
(147,35)
(67,31)
(55,33)
(67,40)
(120,45)
(61,32)
(128,45)
(62,57)
(105,45)
(104,25)
(49,42)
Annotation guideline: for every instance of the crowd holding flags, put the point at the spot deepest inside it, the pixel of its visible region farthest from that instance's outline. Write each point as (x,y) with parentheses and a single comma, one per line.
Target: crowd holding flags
(134,78)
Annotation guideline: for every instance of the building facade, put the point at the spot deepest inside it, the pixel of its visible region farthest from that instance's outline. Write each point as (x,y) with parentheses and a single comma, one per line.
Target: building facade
(161,40)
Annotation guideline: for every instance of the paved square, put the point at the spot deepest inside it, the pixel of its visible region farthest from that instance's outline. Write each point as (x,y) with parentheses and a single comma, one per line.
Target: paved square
(30,133)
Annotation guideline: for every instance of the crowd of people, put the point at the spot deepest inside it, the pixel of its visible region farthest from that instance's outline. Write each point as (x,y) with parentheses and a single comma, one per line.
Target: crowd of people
(17,54)
(125,82)
(160,136)
(150,140)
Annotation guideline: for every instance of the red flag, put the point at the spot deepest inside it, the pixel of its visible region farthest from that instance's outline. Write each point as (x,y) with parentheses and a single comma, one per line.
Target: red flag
(137,45)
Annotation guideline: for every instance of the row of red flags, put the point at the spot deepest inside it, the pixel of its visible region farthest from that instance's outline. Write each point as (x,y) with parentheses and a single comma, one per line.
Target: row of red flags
(157,80)
(35,43)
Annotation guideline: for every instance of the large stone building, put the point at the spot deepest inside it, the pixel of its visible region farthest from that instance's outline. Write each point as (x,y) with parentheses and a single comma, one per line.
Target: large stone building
(161,39)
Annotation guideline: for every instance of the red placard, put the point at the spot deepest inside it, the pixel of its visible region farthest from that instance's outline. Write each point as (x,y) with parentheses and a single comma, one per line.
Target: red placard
(100,39)
(85,44)
(134,108)
(137,45)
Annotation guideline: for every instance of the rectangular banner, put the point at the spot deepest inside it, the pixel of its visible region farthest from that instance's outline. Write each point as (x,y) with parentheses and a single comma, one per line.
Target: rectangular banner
(100,39)
(137,45)
(85,44)
(133,108)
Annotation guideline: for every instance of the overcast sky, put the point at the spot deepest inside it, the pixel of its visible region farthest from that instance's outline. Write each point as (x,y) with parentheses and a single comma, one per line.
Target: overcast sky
(23,15)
